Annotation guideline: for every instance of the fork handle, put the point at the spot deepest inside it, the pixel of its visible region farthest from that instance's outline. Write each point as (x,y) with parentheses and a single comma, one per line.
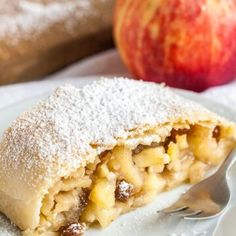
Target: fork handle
(227,163)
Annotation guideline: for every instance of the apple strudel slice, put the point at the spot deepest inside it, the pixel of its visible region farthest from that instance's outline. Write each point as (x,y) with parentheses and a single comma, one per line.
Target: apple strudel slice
(87,155)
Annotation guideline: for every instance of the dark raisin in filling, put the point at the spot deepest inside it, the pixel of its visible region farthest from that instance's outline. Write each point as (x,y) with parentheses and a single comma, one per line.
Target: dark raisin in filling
(124,190)
(216,133)
(73,229)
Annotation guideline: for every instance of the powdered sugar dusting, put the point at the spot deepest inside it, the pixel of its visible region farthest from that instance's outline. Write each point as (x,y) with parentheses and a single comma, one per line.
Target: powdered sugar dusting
(74,125)
(26,18)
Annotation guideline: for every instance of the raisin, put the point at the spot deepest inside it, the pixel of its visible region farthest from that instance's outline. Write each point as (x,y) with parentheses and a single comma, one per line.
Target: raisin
(124,191)
(141,147)
(216,133)
(138,149)
(83,197)
(73,229)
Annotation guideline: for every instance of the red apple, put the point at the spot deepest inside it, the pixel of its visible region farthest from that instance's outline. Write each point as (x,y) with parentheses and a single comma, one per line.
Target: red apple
(189,44)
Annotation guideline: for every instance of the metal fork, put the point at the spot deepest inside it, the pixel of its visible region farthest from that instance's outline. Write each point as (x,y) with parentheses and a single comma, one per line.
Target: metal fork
(206,199)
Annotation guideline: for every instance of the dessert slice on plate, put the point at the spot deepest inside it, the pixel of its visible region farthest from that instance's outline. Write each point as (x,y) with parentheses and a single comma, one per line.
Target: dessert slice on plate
(87,155)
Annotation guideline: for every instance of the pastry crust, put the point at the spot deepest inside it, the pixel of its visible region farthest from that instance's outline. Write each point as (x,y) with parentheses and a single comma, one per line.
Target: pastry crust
(39,37)
(73,126)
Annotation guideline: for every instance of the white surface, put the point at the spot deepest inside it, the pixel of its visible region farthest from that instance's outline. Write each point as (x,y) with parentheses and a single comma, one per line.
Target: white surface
(227,225)
(143,221)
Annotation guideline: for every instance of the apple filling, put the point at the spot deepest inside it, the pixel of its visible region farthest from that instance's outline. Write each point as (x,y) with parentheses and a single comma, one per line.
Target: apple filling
(122,179)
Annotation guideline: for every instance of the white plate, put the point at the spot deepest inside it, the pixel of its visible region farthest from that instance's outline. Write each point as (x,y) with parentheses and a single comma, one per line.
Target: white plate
(143,221)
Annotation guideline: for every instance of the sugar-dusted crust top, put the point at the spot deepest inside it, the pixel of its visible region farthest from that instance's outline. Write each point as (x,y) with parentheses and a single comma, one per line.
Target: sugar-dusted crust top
(73,125)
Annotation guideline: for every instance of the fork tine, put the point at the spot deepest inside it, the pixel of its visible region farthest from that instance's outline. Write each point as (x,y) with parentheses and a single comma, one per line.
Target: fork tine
(187,213)
(172,209)
(202,215)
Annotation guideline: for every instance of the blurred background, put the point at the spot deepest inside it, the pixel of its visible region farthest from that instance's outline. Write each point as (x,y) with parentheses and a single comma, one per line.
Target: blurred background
(39,37)
(184,43)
